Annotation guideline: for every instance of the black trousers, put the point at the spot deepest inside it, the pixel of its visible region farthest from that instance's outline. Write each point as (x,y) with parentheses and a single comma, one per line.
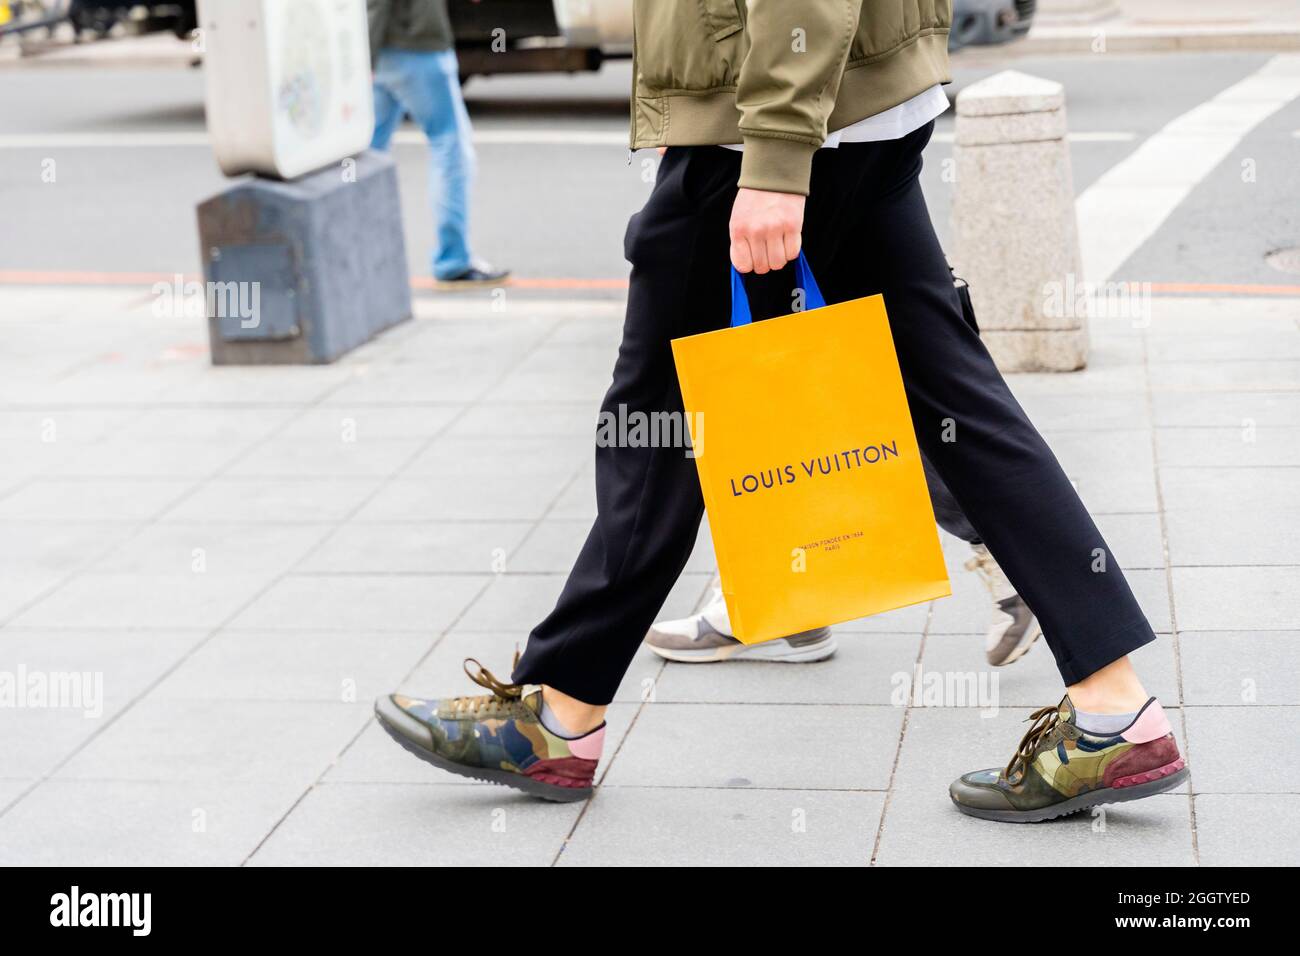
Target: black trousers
(866,230)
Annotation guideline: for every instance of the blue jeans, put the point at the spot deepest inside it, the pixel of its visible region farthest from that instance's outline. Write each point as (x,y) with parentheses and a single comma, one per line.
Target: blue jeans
(426,84)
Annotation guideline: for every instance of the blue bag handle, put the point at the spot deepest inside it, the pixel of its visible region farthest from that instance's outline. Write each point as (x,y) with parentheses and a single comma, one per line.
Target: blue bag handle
(740,314)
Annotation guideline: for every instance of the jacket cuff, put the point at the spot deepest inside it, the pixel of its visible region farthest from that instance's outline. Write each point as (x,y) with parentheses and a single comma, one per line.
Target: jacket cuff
(776,165)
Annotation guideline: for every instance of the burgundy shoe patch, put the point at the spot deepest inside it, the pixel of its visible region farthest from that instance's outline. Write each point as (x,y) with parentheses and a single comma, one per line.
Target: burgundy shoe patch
(573,772)
(1143,763)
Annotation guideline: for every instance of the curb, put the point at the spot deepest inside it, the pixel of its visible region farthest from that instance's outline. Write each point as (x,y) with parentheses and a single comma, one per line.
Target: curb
(1046,40)
(115,53)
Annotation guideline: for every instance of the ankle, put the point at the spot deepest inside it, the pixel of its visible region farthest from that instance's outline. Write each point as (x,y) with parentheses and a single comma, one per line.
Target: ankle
(576,715)
(1115,689)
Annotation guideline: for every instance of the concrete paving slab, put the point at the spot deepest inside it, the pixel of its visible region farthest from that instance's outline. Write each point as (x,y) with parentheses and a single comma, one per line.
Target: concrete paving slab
(518,602)
(1225,409)
(219,550)
(426,603)
(295,665)
(1237,598)
(1114,474)
(525,458)
(419,548)
(274,500)
(1240,668)
(866,669)
(1231,534)
(1248,446)
(360,424)
(379,824)
(142,823)
(1265,374)
(903,620)
(487,497)
(1240,749)
(329,458)
(1237,829)
(924,829)
(755,745)
(183,600)
(509,419)
(1233,490)
(81,500)
(243,741)
(655,827)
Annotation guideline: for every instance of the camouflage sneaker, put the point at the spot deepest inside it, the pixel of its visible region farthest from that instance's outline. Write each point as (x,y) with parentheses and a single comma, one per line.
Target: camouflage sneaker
(1014,628)
(1061,769)
(497,737)
(706,637)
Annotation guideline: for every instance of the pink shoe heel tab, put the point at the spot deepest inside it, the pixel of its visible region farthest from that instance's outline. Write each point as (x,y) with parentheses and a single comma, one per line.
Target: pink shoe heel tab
(1151,724)
(588,746)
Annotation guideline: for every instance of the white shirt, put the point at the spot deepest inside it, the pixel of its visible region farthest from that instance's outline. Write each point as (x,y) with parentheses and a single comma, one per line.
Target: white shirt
(894,123)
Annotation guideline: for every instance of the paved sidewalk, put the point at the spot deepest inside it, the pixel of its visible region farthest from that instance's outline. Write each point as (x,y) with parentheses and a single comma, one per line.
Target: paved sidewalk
(249,556)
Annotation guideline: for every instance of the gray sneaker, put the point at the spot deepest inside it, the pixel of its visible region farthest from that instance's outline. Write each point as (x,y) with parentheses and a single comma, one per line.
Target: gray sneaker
(706,636)
(1014,627)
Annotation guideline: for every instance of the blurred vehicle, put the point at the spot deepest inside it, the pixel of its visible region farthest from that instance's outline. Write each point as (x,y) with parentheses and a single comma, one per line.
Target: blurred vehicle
(979,22)
(539,36)
(96,18)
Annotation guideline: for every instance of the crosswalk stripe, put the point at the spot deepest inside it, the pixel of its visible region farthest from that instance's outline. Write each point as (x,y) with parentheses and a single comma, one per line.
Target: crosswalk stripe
(1129,202)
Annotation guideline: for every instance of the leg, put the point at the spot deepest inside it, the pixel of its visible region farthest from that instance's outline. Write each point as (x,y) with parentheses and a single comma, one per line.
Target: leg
(1013,629)
(999,469)
(1023,506)
(648,499)
(430,89)
(388,109)
(946,510)
(547,742)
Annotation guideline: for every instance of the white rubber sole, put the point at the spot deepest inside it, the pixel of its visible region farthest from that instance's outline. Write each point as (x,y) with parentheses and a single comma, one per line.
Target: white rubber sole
(1021,649)
(778,651)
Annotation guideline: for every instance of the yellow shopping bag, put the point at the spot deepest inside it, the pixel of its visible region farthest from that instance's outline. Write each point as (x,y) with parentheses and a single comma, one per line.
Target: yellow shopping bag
(811,473)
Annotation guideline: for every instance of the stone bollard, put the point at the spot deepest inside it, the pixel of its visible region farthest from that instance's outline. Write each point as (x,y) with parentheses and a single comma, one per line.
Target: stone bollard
(1017,241)
(301,272)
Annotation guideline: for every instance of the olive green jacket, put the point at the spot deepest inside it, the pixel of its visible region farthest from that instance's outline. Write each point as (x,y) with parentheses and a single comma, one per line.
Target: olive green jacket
(408,25)
(777,74)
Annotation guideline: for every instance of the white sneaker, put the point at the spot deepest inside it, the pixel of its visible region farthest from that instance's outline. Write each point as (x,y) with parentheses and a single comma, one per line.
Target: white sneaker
(1014,627)
(706,636)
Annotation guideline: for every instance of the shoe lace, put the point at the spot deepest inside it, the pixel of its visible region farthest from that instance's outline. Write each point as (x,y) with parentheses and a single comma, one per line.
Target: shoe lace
(501,695)
(1043,722)
(983,564)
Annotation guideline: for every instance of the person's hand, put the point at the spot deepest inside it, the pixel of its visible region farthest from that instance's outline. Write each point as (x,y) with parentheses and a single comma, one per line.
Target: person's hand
(766,230)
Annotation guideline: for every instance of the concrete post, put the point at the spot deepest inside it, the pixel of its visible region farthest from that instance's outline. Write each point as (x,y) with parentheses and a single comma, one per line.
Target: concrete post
(301,272)
(1016,238)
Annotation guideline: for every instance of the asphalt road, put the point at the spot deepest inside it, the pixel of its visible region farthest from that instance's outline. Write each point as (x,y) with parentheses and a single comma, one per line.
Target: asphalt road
(554,207)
